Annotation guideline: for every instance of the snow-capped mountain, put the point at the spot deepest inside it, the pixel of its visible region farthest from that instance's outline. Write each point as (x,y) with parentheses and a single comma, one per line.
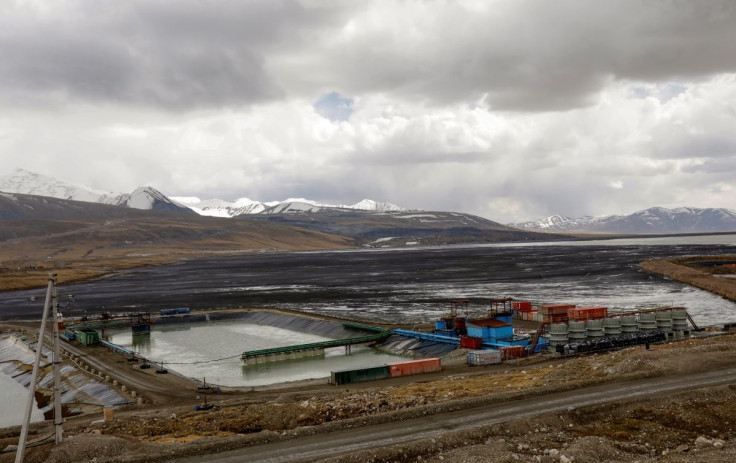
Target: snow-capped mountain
(653,221)
(370,205)
(25,182)
(220,208)
(242,206)
(30,183)
(144,198)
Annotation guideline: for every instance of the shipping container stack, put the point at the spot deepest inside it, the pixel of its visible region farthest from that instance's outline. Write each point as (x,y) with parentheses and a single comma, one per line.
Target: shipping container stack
(523,310)
(555,313)
(413,367)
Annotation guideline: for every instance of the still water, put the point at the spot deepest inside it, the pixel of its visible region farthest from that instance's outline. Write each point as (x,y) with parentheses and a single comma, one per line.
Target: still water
(212,350)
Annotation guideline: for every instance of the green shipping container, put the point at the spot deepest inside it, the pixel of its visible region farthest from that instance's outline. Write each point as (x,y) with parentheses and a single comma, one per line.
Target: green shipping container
(88,337)
(359,375)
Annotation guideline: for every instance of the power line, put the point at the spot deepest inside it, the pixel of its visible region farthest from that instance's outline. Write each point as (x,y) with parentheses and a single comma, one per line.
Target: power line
(200,361)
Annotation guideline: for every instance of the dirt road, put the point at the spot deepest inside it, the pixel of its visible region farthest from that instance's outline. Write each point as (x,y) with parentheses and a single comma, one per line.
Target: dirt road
(155,388)
(320,446)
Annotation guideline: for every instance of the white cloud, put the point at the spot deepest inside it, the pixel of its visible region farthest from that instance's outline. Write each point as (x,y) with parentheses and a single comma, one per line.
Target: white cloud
(510,110)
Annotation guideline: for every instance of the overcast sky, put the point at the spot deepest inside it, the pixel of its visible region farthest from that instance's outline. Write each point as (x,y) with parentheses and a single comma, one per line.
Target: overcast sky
(512,110)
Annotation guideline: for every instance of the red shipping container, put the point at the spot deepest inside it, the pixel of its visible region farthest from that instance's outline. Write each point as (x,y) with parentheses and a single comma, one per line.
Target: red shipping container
(471,342)
(415,367)
(588,313)
(557,309)
(513,352)
(556,318)
(522,306)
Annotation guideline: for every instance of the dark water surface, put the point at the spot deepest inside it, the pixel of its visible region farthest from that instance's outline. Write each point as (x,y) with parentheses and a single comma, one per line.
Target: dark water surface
(403,284)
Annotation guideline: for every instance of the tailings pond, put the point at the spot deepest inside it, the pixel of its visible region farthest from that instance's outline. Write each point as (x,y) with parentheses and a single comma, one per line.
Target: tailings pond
(211,349)
(404,285)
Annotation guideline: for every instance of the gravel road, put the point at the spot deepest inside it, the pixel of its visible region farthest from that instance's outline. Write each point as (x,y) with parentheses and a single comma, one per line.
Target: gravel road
(314,447)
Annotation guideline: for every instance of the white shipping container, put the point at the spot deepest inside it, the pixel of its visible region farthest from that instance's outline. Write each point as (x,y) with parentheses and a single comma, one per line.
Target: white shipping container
(484,357)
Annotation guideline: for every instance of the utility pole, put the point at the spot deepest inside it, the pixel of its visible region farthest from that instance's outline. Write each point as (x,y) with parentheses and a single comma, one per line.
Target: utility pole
(20,453)
(58,419)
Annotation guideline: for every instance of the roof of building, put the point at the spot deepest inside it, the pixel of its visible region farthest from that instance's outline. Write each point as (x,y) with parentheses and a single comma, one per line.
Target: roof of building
(489,322)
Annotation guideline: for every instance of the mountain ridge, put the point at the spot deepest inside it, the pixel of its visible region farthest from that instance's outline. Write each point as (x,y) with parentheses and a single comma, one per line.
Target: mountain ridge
(654,220)
(25,182)
(22,181)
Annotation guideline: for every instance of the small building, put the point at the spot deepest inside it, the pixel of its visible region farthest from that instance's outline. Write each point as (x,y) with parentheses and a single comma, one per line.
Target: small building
(490,329)
(88,337)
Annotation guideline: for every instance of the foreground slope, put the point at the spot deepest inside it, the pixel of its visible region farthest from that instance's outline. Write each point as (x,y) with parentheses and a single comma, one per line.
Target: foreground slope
(673,402)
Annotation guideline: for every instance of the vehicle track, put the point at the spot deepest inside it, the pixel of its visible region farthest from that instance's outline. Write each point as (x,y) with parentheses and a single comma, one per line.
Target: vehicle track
(319,446)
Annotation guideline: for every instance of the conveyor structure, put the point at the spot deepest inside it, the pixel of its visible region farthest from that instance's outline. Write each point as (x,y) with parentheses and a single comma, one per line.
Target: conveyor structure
(314,348)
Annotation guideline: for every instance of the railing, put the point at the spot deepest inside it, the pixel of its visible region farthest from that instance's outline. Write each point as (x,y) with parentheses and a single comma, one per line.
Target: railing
(359,327)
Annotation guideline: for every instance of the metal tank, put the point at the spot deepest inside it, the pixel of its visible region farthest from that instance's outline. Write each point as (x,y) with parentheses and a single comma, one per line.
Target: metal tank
(612,327)
(576,332)
(647,322)
(595,329)
(628,324)
(679,323)
(664,322)
(558,334)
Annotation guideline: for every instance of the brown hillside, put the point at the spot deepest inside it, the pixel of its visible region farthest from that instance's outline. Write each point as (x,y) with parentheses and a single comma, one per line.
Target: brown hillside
(94,247)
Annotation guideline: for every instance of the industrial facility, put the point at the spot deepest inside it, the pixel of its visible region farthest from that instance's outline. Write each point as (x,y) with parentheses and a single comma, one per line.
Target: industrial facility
(489,335)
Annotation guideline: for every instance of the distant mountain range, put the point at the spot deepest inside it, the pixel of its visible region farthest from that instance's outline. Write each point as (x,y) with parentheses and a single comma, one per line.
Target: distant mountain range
(30,183)
(220,208)
(368,223)
(655,220)
(370,220)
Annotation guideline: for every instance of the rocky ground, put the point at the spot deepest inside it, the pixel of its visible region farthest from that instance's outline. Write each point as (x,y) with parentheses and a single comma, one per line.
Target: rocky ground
(692,426)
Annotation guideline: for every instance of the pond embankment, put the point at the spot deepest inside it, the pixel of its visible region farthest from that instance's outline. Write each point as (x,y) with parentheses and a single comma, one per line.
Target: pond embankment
(81,393)
(686,270)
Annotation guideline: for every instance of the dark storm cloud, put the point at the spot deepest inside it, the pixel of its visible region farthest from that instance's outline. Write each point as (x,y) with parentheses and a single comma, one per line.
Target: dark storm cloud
(175,55)
(523,55)
(538,55)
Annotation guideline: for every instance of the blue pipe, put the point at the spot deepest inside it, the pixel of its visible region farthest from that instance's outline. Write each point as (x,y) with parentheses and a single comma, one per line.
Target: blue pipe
(116,347)
(427,336)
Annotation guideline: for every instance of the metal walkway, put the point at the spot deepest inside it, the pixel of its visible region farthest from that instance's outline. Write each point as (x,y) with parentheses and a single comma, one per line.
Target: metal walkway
(300,350)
